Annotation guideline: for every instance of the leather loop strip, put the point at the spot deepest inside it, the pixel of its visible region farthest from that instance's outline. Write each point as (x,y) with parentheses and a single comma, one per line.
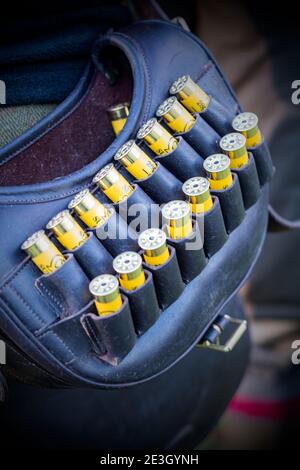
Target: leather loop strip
(277,223)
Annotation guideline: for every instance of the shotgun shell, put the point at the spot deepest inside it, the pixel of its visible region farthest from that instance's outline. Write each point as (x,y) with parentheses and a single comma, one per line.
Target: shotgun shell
(158,139)
(234,145)
(175,115)
(113,184)
(118,114)
(43,252)
(105,289)
(89,209)
(177,215)
(247,124)
(128,266)
(153,242)
(135,160)
(217,168)
(198,195)
(66,230)
(190,94)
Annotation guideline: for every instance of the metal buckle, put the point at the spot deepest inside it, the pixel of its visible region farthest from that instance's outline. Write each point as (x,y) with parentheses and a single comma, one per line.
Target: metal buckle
(241,327)
(180,21)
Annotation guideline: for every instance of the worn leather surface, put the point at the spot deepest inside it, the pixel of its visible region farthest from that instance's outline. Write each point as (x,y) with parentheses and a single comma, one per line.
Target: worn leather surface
(231,201)
(143,304)
(214,229)
(162,186)
(61,346)
(173,411)
(249,182)
(93,257)
(175,161)
(203,137)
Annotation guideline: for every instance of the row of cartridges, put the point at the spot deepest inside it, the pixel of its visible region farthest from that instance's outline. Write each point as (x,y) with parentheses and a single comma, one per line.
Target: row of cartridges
(178,113)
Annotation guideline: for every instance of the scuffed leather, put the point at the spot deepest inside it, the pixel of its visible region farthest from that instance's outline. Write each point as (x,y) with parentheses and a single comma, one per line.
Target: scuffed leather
(184,162)
(66,289)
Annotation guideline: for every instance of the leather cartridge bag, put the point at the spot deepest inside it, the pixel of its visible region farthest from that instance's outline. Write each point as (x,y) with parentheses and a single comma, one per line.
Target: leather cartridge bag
(53,335)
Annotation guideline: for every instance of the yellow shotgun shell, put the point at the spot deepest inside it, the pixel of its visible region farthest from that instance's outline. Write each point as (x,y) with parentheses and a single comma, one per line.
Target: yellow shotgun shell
(190,94)
(153,242)
(105,289)
(217,168)
(128,266)
(113,184)
(158,139)
(135,160)
(247,124)
(177,215)
(66,230)
(175,115)
(118,114)
(197,191)
(89,209)
(44,254)
(234,145)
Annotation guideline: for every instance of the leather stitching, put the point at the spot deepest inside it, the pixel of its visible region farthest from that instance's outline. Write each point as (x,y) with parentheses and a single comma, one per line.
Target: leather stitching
(92,332)
(46,199)
(55,303)
(11,279)
(67,348)
(146,67)
(27,305)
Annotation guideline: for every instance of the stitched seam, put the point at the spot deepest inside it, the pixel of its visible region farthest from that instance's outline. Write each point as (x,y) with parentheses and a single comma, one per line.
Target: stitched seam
(71,361)
(138,46)
(211,58)
(57,305)
(210,66)
(207,52)
(11,279)
(92,331)
(9,310)
(45,199)
(62,342)
(27,305)
(46,131)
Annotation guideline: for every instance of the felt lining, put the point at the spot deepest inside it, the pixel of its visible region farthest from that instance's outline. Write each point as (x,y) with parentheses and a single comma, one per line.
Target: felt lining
(76,140)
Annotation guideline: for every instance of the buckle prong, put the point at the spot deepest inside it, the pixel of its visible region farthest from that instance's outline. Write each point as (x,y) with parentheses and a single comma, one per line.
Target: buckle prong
(229,345)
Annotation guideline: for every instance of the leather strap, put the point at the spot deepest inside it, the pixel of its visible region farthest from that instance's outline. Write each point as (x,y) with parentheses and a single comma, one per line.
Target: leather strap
(24,370)
(146,10)
(3,387)
(277,223)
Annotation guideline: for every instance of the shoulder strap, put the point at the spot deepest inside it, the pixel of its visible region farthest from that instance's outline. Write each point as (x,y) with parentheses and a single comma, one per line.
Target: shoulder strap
(146,10)
(3,387)
(277,223)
